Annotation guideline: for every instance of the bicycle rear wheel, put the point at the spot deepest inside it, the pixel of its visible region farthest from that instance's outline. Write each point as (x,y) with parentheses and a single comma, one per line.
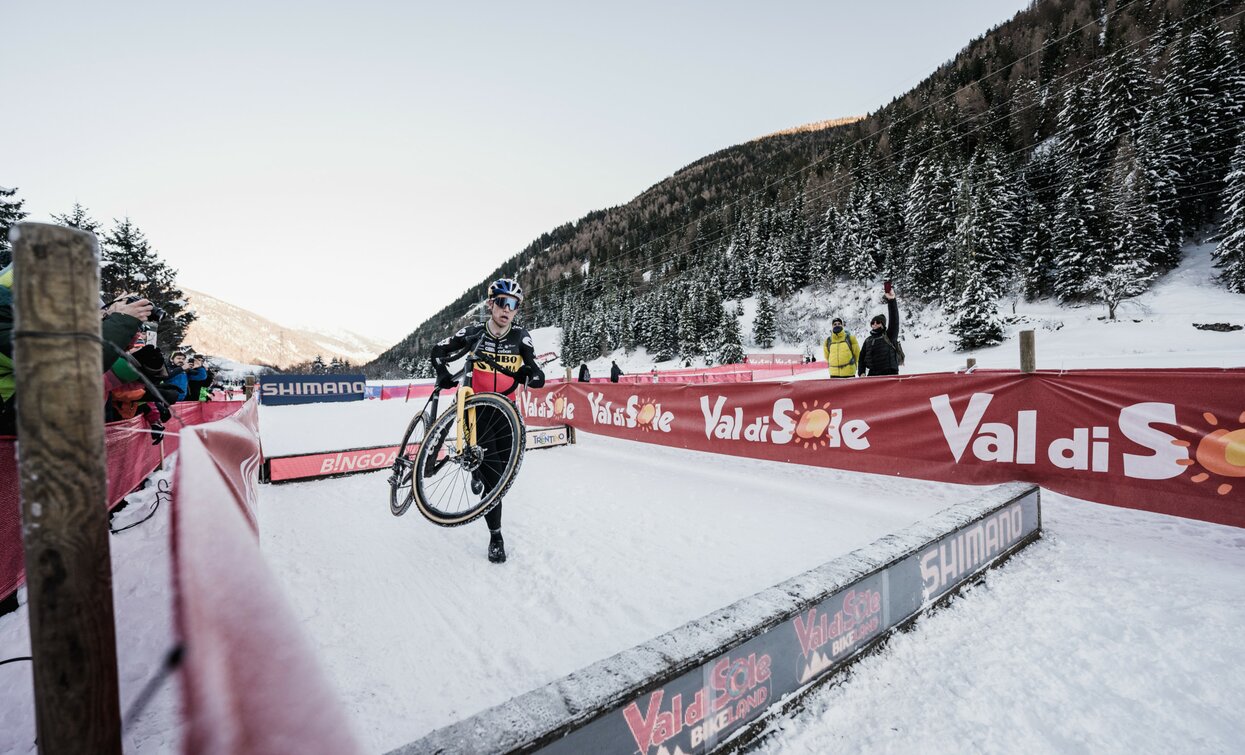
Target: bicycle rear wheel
(400,481)
(452,488)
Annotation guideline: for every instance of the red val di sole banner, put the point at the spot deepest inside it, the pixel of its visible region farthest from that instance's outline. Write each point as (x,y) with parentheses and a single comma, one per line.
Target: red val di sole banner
(1170,441)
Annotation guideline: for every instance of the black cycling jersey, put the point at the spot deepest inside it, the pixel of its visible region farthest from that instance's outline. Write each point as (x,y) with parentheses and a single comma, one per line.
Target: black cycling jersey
(512,350)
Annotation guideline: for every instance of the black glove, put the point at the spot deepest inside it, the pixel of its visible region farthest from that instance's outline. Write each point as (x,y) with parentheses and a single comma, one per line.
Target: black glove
(165,413)
(151,361)
(531,376)
(157,433)
(168,394)
(445,380)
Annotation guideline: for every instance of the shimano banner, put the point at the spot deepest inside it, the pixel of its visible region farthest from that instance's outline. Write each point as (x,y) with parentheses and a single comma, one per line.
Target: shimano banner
(279,390)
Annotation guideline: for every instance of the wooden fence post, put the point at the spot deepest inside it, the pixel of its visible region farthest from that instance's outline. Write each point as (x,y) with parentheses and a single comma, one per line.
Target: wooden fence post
(1028,352)
(970,364)
(248,387)
(63,477)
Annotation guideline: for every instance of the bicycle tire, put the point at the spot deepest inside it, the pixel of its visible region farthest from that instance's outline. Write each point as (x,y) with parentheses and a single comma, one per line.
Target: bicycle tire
(429,492)
(400,496)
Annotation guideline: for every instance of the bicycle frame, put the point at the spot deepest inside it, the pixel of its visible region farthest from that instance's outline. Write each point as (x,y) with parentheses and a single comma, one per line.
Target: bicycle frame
(466,417)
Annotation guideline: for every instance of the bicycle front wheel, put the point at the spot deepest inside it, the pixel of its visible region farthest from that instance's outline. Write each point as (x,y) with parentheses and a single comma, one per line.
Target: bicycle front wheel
(400,481)
(454,484)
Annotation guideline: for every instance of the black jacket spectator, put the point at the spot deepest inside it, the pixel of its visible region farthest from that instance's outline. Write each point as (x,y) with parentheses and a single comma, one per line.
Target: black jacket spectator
(584,375)
(615,372)
(878,354)
(196,380)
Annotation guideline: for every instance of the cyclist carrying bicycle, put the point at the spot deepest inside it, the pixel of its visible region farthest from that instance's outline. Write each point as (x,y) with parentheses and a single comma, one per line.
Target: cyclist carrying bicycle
(509,346)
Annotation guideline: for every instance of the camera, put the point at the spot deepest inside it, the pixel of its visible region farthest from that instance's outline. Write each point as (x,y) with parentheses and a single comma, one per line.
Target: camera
(157,312)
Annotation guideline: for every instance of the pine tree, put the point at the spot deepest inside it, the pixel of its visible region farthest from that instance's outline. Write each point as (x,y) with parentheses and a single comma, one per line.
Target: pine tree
(1159,156)
(689,329)
(1036,201)
(822,261)
(317,365)
(1135,230)
(929,220)
(975,315)
(732,348)
(763,323)
(10,215)
(862,242)
(986,226)
(1079,255)
(1123,98)
(128,265)
(1230,254)
(78,218)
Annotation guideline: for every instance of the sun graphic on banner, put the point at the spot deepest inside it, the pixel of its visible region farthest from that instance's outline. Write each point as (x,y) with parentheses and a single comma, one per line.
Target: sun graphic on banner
(559,406)
(645,413)
(812,424)
(1221,452)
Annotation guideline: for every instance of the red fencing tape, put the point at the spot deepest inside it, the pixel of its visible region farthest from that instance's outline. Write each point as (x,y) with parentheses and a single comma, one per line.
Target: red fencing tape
(130,458)
(1171,441)
(250,680)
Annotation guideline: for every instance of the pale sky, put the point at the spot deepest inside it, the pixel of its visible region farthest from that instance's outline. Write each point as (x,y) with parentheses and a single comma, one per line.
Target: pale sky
(359,164)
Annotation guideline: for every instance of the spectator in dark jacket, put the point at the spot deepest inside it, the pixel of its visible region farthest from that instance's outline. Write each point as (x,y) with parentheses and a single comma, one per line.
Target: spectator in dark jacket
(878,354)
(615,372)
(121,321)
(584,375)
(196,379)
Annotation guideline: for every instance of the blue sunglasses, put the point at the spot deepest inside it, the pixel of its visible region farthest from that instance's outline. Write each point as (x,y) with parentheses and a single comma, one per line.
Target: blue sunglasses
(506,302)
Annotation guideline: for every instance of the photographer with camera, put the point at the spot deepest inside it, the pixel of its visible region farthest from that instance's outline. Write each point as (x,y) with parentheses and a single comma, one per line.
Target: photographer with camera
(197,379)
(121,322)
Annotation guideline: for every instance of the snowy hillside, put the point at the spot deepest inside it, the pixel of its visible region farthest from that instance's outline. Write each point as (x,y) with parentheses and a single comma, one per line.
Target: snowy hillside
(1154,330)
(239,335)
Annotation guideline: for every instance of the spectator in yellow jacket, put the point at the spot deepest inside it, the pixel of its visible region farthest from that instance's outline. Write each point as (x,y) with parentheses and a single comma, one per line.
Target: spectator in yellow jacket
(841,350)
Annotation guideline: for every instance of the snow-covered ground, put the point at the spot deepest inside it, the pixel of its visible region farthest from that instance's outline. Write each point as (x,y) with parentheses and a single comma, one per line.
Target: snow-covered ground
(1120,631)
(610,543)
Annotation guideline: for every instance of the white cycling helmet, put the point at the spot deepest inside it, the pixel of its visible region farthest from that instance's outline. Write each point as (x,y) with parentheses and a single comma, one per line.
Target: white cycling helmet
(505,287)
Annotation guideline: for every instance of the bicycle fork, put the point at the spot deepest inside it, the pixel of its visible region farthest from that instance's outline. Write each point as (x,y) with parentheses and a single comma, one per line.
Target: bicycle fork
(466,420)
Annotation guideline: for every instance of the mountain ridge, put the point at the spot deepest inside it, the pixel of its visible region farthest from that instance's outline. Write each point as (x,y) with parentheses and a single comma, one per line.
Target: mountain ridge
(227,330)
(1066,153)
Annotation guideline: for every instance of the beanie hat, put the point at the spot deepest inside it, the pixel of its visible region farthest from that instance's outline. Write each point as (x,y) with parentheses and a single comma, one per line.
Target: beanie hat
(879,318)
(151,360)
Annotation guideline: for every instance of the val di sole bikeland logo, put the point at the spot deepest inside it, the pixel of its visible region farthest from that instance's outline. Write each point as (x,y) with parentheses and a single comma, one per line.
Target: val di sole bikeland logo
(1220,452)
(645,414)
(552,406)
(856,619)
(1145,427)
(737,686)
(814,425)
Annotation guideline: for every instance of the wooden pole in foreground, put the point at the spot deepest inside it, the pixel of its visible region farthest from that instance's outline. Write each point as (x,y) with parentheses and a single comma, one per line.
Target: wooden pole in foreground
(970,363)
(248,388)
(1028,353)
(63,476)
